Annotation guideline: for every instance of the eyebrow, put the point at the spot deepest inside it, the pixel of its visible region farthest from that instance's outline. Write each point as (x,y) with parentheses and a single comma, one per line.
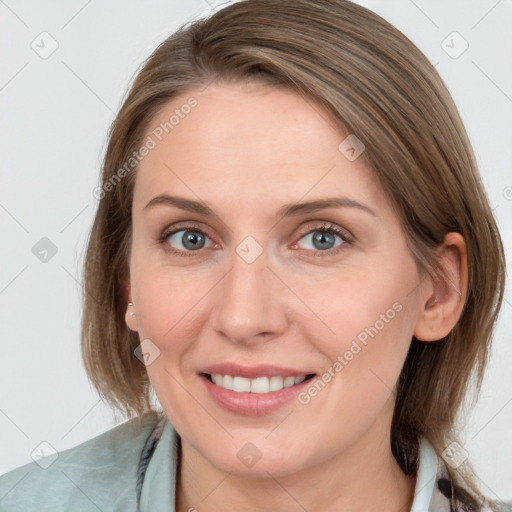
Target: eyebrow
(287,210)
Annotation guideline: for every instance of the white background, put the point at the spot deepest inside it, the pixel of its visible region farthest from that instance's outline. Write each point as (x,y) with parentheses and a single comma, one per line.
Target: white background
(55,115)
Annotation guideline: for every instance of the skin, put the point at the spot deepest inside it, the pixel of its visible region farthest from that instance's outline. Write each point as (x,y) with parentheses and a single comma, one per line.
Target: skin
(245,150)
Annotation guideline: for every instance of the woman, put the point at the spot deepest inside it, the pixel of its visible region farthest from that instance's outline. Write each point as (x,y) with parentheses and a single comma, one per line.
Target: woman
(294,250)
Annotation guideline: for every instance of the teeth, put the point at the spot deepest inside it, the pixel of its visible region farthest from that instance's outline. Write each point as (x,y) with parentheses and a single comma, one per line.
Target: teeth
(289,381)
(260,385)
(240,384)
(276,383)
(226,381)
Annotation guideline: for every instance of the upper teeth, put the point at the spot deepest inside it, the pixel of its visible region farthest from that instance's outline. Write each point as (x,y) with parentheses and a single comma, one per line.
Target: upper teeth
(258,385)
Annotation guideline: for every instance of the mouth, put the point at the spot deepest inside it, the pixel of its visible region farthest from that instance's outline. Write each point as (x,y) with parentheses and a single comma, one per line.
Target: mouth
(259,385)
(253,390)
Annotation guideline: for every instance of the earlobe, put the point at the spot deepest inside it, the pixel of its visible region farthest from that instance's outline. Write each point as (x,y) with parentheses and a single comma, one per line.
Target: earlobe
(130,317)
(442,309)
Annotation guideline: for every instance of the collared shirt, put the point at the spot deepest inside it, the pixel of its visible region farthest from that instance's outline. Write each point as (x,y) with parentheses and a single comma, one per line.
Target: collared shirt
(132,468)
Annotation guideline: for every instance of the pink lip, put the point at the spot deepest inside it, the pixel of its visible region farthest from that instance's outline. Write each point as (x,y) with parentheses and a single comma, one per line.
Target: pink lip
(252,404)
(251,372)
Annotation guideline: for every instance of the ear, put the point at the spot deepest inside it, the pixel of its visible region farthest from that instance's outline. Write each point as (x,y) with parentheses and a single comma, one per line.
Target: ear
(442,308)
(130,319)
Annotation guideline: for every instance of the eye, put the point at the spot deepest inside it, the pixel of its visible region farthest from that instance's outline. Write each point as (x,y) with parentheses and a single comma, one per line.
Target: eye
(322,239)
(189,239)
(185,241)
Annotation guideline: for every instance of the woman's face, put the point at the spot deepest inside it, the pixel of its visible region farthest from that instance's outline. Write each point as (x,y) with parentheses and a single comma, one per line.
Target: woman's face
(250,283)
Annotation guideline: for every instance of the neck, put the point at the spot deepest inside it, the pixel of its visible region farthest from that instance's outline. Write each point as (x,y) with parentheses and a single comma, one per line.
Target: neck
(364,477)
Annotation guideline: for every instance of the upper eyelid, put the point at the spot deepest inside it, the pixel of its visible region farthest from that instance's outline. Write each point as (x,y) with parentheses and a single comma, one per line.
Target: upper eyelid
(182,226)
(327,226)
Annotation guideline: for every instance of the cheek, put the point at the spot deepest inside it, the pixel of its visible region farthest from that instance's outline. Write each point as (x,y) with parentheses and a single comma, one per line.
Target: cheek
(168,304)
(373,322)
(166,299)
(365,323)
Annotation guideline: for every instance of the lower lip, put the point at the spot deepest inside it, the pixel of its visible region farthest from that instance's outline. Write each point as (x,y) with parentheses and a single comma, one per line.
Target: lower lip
(252,404)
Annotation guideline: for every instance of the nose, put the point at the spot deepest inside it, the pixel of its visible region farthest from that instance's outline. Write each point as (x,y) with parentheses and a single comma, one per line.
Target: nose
(250,303)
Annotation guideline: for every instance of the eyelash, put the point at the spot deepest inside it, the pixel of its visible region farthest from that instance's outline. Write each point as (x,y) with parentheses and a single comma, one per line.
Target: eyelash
(324,228)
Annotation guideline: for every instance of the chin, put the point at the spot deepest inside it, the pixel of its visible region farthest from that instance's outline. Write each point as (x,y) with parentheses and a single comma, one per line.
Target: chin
(250,462)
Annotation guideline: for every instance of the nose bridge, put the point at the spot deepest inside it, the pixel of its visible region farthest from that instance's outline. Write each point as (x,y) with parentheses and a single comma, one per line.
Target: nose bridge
(248,303)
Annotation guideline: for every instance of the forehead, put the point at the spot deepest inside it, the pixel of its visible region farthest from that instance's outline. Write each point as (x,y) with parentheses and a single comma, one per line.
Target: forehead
(252,144)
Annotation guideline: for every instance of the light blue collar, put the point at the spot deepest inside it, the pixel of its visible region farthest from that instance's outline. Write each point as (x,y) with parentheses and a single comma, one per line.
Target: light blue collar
(158,489)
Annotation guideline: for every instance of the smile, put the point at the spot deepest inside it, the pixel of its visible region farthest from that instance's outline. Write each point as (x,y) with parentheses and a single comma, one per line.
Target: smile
(259,385)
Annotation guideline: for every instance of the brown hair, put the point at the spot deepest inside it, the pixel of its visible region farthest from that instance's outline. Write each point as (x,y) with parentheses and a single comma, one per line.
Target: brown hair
(374,82)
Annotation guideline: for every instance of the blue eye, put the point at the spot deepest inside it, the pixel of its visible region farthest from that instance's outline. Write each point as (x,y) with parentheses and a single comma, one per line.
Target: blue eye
(323,239)
(190,240)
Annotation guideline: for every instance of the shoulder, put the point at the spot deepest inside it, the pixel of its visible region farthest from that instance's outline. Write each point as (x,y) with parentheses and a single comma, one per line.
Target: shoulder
(100,473)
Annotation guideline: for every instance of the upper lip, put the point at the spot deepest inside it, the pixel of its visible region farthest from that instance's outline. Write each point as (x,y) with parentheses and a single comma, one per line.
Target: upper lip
(251,372)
